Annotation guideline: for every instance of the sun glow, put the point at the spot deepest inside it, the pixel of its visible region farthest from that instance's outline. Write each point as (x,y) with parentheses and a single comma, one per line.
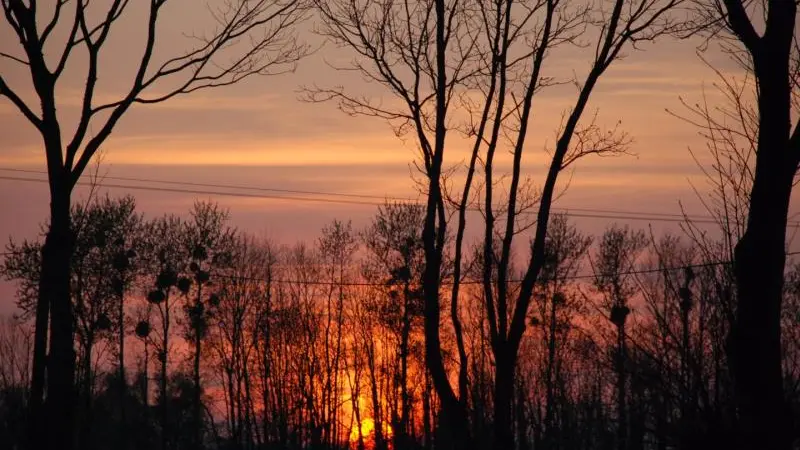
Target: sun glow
(368,432)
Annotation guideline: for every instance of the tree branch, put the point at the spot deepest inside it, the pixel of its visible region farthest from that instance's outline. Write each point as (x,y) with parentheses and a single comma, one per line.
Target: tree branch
(740,24)
(6,91)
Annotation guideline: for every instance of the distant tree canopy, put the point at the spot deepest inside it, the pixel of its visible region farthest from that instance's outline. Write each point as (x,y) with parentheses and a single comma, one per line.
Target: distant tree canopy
(754,141)
(244,38)
(181,332)
(475,70)
(232,342)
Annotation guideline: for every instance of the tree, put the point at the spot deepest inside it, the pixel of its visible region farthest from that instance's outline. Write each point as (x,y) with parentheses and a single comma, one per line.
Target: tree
(565,248)
(165,260)
(15,351)
(102,227)
(266,44)
(443,60)
(302,348)
(208,242)
(618,254)
(754,343)
(240,338)
(396,259)
(125,271)
(337,246)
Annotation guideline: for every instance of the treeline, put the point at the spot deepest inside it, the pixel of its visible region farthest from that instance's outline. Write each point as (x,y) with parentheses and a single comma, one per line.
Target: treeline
(191,334)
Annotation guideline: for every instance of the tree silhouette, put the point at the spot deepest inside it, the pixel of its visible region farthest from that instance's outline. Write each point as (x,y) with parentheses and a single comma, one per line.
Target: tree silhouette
(311,345)
(397,259)
(265,27)
(102,228)
(208,242)
(16,341)
(555,310)
(166,261)
(443,60)
(763,41)
(620,248)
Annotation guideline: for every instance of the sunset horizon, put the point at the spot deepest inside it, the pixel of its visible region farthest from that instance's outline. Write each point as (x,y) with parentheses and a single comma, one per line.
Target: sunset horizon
(399,225)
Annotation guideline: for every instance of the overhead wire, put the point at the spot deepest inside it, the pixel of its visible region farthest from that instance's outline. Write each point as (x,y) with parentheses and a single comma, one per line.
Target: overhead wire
(588,213)
(201,192)
(226,186)
(448,283)
(351,195)
(465,281)
(582,213)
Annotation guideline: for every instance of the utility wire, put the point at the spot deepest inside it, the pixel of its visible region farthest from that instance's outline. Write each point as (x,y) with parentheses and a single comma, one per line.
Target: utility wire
(227,186)
(203,192)
(680,216)
(340,194)
(448,283)
(374,284)
(569,212)
(589,213)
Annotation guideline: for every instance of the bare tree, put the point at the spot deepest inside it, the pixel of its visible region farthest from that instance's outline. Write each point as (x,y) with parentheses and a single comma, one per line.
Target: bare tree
(310,345)
(251,37)
(618,255)
(209,241)
(761,36)
(166,262)
(337,247)
(99,226)
(16,340)
(396,259)
(565,249)
(241,320)
(15,343)
(443,60)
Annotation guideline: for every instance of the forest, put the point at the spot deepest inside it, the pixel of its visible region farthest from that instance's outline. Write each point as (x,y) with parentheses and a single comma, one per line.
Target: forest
(480,315)
(237,342)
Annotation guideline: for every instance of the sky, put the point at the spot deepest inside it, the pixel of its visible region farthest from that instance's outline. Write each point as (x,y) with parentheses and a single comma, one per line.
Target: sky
(260,134)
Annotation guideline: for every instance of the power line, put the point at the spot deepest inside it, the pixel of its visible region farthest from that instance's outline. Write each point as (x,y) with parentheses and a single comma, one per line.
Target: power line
(202,192)
(374,284)
(615,215)
(228,186)
(566,278)
(599,213)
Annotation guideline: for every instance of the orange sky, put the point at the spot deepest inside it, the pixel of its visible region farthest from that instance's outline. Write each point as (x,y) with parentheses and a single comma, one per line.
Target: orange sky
(258,133)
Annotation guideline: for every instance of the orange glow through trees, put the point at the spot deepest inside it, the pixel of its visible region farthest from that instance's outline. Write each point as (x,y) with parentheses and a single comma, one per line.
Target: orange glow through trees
(368,433)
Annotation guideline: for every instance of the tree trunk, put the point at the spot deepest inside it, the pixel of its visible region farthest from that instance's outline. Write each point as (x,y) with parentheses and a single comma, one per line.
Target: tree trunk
(427,432)
(687,422)
(377,415)
(85,439)
(54,287)
(433,234)
(755,339)
(521,419)
(401,433)
(622,422)
(163,356)
(35,411)
(503,400)
(756,335)
(549,434)
(146,378)
(123,385)
(196,413)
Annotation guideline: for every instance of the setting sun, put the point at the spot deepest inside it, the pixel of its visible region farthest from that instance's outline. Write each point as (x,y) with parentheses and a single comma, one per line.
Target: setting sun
(368,432)
(461,224)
